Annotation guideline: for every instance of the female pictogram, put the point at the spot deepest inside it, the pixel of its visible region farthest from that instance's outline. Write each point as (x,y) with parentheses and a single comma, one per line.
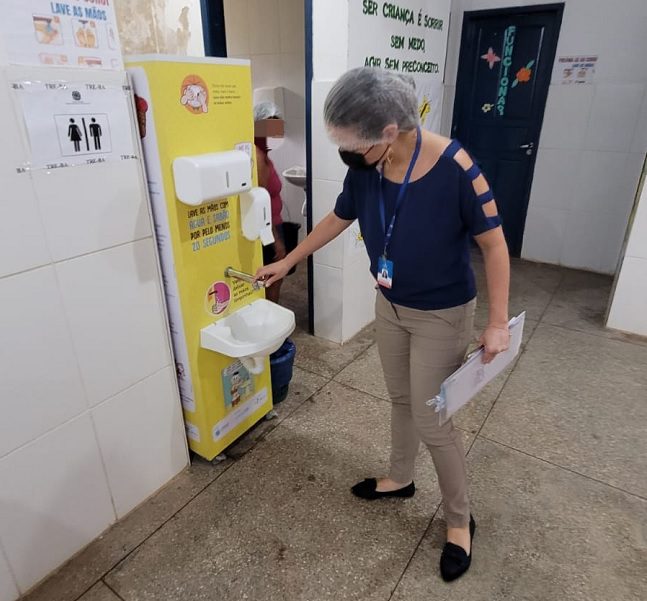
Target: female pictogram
(75,135)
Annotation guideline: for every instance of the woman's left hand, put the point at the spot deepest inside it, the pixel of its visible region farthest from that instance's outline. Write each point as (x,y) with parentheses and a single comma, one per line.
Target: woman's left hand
(495,340)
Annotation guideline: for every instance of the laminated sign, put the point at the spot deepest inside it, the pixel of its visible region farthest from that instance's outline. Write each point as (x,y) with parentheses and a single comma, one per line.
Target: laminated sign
(78,33)
(76,123)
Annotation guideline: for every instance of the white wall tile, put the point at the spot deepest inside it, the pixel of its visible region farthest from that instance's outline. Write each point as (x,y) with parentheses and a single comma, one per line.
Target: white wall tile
(264,27)
(8,589)
(119,347)
(359,296)
(581,247)
(637,246)
(454,43)
(292,26)
(544,234)
(593,240)
(295,104)
(329,66)
(579,31)
(447,111)
(237,27)
(614,116)
(92,207)
(293,77)
(40,385)
(599,184)
(22,236)
(328,296)
(266,70)
(567,116)
(621,45)
(142,439)
(628,308)
(639,143)
(14,150)
(555,178)
(614,228)
(324,197)
(326,163)
(330,38)
(631,181)
(54,500)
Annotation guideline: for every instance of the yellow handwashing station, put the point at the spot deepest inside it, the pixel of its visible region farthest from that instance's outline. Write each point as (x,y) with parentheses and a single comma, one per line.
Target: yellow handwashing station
(197,132)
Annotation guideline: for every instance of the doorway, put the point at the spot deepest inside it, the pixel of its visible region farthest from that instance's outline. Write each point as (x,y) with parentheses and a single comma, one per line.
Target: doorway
(504,72)
(275,36)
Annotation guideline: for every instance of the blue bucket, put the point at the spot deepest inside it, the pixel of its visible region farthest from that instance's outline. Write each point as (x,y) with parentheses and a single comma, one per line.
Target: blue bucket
(281,364)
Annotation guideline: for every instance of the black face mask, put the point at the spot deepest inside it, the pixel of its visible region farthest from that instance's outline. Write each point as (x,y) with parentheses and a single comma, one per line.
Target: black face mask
(356,160)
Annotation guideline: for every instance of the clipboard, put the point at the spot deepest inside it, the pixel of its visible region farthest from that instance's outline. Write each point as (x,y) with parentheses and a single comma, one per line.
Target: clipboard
(471,377)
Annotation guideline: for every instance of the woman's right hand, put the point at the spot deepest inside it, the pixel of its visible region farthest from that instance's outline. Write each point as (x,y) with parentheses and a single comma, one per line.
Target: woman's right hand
(273,272)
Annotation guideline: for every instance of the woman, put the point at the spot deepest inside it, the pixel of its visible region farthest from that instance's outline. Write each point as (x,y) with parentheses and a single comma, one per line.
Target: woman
(419,199)
(268,123)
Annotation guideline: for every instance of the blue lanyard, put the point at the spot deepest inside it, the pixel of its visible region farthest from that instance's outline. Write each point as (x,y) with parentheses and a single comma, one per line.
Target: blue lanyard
(403,188)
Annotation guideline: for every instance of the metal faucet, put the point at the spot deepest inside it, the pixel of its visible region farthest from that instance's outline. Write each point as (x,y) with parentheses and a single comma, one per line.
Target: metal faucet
(230,272)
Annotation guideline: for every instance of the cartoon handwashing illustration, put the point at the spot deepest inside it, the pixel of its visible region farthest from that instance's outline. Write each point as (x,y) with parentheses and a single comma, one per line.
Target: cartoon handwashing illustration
(236,382)
(237,385)
(194,95)
(218,298)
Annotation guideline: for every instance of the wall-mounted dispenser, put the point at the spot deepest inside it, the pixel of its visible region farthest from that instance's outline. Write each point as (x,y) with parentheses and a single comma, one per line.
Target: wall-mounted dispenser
(205,177)
(256,215)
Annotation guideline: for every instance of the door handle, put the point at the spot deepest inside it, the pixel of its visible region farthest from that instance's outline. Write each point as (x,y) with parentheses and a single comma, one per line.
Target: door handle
(528,148)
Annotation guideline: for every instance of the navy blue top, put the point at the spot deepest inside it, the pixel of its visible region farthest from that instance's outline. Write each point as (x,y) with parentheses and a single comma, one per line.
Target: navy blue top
(430,247)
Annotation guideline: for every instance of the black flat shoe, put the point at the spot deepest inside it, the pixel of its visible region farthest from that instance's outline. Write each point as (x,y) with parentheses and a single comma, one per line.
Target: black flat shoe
(454,562)
(368,490)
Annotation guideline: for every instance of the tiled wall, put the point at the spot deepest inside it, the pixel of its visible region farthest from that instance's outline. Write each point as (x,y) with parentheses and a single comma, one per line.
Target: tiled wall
(629,306)
(594,137)
(90,419)
(271,33)
(344,289)
(160,27)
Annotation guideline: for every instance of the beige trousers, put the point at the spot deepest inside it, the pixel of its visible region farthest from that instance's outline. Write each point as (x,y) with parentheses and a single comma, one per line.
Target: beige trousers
(418,350)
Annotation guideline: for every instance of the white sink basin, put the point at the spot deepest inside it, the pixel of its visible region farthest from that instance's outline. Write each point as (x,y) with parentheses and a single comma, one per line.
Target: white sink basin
(296,176)
(250,334)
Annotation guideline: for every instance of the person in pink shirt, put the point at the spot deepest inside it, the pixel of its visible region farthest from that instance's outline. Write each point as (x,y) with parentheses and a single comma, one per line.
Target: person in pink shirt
(269,124)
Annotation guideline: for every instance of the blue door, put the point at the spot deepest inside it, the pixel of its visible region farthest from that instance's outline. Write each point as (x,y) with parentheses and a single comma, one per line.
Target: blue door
(504,71)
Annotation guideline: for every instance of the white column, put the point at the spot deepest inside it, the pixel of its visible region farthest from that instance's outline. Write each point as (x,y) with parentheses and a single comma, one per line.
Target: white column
(629,304)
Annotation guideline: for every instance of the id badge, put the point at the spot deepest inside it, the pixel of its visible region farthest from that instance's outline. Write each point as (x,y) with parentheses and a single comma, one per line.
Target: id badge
(385,273)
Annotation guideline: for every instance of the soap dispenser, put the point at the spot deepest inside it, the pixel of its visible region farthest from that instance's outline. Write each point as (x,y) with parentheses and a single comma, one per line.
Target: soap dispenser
(256,215)
(206,177)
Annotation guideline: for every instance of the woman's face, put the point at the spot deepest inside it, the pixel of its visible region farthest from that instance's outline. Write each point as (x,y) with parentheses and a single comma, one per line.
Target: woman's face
(347,140)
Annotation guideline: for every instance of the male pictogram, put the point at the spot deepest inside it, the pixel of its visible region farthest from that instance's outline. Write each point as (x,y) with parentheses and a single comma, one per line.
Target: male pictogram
(96,133)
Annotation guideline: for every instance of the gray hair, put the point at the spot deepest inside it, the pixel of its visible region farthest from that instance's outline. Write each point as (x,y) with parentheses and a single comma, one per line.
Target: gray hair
(366,100)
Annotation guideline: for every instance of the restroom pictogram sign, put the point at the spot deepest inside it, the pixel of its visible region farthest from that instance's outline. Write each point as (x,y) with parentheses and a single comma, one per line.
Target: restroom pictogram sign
(77,123)
(83,134)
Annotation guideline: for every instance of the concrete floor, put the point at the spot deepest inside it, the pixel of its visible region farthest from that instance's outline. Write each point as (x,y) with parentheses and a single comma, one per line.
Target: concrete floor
(557,452)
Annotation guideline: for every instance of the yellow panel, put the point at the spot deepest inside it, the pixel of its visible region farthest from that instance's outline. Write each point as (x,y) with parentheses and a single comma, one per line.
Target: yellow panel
(191,108)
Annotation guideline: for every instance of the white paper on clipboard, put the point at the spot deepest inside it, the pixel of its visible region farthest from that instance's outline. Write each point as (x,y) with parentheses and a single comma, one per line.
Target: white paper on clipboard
(471,377)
